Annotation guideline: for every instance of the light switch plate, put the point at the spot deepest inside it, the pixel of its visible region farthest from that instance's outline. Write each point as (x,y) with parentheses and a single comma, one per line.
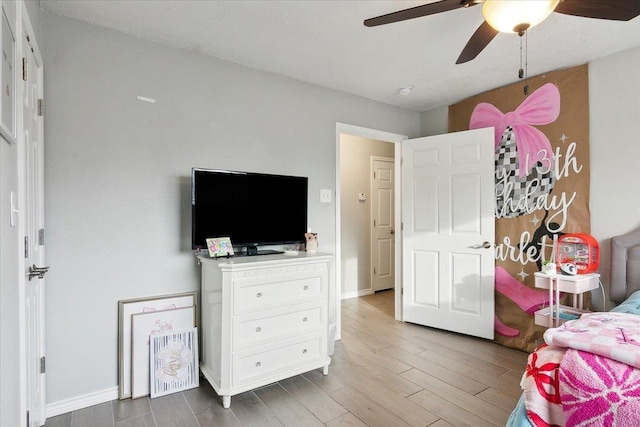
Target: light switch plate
(14,210)
(325,196)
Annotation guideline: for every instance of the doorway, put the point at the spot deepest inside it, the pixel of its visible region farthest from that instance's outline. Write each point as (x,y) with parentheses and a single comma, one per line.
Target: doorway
(355,147)
(463,150)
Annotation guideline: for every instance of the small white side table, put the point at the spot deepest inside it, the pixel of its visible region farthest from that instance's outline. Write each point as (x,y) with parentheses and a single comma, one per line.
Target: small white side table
(556,283)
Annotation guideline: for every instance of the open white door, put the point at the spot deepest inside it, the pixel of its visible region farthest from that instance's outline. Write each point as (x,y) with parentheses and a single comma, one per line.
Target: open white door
(33,129)
(448,232)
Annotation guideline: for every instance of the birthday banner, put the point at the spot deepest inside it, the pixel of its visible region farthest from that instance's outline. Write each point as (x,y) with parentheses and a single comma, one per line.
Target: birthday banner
(541,184)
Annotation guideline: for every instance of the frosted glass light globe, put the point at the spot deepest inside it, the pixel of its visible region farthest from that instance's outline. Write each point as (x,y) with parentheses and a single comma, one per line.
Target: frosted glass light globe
(511,16)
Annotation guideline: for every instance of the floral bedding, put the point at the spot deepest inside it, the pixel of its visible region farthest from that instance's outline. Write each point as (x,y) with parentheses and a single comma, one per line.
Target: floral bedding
(586,374)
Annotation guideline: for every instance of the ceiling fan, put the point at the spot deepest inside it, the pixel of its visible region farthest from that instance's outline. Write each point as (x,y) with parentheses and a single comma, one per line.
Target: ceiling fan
(513,16)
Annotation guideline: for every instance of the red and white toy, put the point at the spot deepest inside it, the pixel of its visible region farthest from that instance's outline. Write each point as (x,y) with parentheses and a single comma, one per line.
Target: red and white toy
(581,250)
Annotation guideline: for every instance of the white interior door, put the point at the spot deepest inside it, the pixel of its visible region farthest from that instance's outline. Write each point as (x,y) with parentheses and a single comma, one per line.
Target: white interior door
(448,232)
(33,132)
(382,225)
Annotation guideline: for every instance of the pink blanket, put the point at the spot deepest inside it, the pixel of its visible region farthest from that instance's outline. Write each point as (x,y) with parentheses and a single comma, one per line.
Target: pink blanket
(596,391)
(613,335)
(587,374)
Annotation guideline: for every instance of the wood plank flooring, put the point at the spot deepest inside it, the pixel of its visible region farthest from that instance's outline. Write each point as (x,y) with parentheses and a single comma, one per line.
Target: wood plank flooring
(383,373)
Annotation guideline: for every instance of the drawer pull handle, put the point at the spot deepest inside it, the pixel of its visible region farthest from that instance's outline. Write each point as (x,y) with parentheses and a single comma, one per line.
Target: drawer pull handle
(259,295)
(258,364)
(305,287)
(304,351)
(304,319)
(258,329)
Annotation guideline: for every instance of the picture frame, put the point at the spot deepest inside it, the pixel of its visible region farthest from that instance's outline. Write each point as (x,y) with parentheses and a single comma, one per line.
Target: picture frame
(144,326)
(173,362)
(126,308)
(219,246)
(7,79)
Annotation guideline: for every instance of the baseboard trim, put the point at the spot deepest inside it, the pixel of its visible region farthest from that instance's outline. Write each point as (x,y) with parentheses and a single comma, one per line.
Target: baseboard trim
(356,294)
(80,402)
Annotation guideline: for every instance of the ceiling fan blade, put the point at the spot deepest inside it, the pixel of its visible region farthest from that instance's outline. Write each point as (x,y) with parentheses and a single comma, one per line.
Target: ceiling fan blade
(418,11)
(478,41)
(616,10)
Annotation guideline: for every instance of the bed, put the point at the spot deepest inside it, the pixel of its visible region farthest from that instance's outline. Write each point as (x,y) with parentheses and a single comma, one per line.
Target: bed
(587,373)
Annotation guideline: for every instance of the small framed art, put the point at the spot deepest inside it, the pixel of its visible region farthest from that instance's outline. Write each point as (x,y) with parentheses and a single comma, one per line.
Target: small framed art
(126,308)
(173,362)
(144,327)
(220,246)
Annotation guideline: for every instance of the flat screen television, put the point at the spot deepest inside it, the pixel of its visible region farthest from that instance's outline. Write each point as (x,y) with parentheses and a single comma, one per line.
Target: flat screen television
(253,209)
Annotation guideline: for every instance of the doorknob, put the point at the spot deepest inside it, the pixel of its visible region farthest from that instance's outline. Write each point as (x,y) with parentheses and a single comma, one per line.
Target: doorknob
(484,245)
(37,272)
(392,232)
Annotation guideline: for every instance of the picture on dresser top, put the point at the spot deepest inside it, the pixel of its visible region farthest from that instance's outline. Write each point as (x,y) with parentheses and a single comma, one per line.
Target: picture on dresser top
(220,246)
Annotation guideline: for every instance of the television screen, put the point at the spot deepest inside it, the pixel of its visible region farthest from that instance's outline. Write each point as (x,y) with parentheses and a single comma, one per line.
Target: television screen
(252,209)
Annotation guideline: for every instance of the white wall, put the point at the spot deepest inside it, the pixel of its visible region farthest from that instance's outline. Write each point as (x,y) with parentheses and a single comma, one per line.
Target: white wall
(355,164)
(614,127)
(117,173)
(614,110)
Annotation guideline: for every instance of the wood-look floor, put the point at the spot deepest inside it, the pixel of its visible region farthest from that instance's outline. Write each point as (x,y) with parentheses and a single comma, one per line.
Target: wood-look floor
(383,373)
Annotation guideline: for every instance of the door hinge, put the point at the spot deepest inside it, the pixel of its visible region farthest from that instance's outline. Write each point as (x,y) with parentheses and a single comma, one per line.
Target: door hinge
(401,226)
(26,246)
(41,237)
(401,161)
(401,291)
(41,107)
(374,175)
(28,418)
(43,366)
(24,69)
(374,271)
(374,222)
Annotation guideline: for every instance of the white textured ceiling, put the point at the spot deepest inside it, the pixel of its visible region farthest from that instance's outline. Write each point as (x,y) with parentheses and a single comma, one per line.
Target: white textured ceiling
(324,42)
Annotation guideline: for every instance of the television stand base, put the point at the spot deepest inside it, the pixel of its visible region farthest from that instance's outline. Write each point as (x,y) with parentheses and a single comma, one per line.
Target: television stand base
(258,252)
(269,252)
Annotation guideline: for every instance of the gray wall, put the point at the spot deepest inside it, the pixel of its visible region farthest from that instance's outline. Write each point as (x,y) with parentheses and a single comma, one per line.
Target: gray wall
(117,173)
(614,110)
(434,122)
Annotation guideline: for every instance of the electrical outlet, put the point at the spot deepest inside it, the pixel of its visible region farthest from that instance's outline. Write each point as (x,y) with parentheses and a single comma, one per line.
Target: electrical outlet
(325,196)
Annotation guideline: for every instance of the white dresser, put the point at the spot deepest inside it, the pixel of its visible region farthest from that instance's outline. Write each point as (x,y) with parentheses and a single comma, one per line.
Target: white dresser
(264,319)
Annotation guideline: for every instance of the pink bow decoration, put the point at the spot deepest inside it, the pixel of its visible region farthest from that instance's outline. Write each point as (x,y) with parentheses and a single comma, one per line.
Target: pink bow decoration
(540,108)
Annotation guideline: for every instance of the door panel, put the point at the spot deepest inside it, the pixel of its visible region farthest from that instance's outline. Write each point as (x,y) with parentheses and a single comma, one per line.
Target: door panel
(382,231)
(33,132)
(447,204)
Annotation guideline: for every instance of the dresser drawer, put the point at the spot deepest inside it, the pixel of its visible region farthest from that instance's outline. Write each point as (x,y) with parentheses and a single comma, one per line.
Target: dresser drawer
(254,295)
(266,326)
(251,365)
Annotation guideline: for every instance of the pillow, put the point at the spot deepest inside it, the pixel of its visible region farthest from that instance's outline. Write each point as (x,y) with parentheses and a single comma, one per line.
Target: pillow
(630,305)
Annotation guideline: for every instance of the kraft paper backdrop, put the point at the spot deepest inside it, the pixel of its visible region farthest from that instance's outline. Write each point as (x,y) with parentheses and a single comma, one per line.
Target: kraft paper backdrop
(545,197)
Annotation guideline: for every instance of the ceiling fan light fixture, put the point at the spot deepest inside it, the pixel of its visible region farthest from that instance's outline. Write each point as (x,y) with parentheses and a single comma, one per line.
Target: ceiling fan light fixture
(510,16)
